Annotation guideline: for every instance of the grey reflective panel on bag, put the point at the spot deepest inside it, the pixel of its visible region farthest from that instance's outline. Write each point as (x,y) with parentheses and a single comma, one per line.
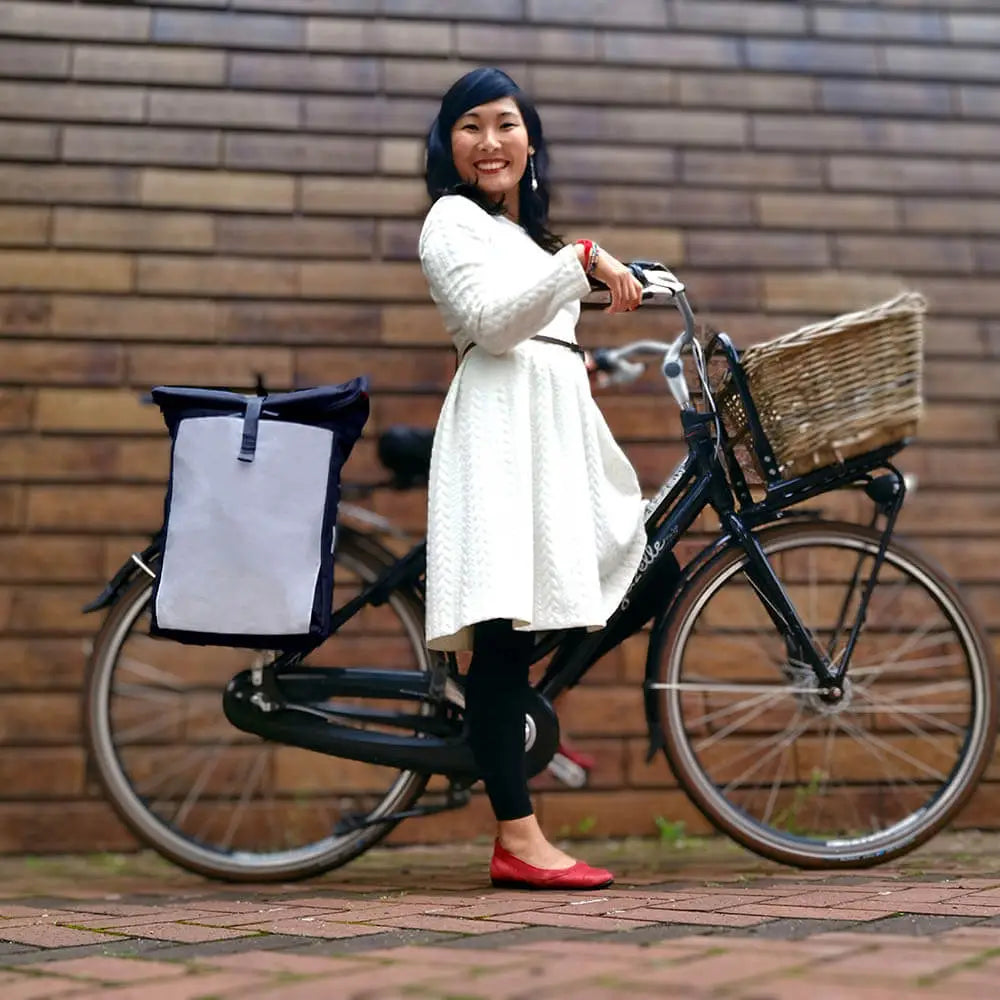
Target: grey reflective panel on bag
(245,541)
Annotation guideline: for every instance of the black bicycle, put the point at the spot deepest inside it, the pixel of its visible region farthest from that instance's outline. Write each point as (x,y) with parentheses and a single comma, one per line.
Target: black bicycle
(820,689)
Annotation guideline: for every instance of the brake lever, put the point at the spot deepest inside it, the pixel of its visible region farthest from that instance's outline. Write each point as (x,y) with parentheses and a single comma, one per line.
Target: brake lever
(638,268)
(659,284)
(656,279)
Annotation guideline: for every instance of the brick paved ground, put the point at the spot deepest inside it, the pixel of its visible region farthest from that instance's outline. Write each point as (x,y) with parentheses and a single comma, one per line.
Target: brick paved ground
(698,921)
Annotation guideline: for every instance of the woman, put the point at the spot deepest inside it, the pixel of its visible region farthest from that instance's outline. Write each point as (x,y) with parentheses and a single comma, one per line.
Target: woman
(535,517)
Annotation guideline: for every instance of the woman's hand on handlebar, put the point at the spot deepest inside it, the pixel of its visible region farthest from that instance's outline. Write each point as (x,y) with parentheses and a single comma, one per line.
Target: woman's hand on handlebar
(626,291)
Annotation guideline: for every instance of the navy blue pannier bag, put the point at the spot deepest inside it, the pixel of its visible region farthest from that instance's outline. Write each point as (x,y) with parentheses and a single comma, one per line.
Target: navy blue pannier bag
(250,513)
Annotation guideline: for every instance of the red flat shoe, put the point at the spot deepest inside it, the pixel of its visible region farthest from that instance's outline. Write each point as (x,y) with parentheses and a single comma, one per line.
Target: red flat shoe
(509,872)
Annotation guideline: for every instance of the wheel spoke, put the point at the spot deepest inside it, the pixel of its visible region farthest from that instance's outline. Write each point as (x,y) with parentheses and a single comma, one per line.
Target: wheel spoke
(155,675)
(204,776)
(709,687)
(813,588)
(902,651)
(729,709)
(255,772)
(927,663)
(900,713)
(932,639)
(772,797)
(748,716)
(160,722)
(923,690)
(888,604)
(781,742)
(775,741)
(876,745)
(165,779)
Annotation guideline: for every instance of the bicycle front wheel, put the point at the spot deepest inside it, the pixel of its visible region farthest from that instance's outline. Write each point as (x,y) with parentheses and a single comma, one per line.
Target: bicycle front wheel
(222,802)
(800,779)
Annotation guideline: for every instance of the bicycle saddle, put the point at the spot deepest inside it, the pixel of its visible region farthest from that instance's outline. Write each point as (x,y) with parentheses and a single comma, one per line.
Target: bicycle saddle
(406,453)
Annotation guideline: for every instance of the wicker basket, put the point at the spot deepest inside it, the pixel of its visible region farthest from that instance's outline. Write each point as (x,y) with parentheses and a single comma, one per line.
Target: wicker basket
(832,390)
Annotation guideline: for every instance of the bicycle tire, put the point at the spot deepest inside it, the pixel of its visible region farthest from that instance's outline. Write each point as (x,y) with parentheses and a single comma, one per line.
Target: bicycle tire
(121,778)
(721,770)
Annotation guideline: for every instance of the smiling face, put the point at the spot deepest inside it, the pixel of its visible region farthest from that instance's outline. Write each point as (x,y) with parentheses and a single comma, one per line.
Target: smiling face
(490,147)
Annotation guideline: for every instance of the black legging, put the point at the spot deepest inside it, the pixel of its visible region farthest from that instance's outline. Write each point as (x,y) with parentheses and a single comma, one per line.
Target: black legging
(495,690)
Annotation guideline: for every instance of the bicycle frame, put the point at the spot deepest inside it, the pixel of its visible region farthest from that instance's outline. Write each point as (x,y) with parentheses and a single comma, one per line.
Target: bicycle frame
(438,747)
(283,701)
(697,482)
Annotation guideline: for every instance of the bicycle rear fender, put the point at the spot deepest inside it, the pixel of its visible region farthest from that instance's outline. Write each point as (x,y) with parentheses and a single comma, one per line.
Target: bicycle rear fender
(138,562)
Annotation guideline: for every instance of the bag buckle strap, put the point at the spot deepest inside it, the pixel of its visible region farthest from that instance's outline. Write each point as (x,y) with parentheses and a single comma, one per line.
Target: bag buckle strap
(251,421)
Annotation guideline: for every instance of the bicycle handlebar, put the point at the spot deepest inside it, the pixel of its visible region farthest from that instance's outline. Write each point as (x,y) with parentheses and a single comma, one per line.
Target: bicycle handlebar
(659,285)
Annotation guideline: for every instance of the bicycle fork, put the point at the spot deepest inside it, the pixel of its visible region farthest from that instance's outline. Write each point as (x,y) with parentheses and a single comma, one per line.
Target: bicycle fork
(887,492)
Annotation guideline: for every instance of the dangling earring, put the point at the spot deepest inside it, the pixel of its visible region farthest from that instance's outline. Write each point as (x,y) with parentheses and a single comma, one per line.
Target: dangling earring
(531,167)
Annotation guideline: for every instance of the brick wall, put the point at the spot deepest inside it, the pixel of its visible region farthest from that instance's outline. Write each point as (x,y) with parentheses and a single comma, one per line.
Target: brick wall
(197,190)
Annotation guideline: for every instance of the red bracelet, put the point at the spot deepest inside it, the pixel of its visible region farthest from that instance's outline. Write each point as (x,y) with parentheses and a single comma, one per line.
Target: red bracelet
(595,253)
(588,252)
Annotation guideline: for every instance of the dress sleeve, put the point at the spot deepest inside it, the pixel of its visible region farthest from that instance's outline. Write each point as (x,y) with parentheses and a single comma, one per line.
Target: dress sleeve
(498,305)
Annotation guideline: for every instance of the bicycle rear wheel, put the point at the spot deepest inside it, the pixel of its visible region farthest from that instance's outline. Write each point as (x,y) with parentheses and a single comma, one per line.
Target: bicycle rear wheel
(794,777)
(222,802)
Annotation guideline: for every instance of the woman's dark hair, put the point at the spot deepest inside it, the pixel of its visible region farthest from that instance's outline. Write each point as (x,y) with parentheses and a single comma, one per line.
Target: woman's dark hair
(480,86)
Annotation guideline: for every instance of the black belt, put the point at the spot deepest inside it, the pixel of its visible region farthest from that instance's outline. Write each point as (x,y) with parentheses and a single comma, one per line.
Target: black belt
(575,348)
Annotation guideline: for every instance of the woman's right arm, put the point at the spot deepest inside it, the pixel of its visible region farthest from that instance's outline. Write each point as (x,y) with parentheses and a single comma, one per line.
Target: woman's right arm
(498,305)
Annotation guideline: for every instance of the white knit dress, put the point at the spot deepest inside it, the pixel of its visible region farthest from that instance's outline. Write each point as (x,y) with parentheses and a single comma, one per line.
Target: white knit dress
(534,512)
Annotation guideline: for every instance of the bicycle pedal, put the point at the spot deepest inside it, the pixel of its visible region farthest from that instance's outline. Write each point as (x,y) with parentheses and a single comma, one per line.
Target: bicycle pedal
(568,771)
